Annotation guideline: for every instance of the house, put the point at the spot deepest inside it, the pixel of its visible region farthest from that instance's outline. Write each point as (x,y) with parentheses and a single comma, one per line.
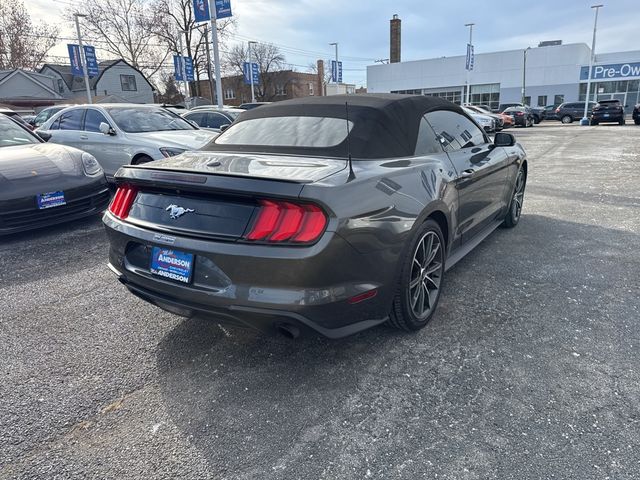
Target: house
(23,90)
(116,79)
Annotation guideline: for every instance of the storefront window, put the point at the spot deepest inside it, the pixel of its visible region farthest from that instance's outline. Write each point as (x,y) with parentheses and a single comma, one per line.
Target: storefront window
(624,90)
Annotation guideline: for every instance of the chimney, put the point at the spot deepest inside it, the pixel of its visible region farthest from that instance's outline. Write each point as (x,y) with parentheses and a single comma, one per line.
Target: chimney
(394,54)
(320,82)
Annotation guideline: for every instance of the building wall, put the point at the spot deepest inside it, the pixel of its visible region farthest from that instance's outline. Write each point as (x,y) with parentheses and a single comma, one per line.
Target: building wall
(17,86)
(110,84)
(64,91)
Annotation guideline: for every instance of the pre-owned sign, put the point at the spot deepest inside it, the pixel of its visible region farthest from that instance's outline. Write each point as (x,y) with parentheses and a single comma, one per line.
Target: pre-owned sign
(615,70)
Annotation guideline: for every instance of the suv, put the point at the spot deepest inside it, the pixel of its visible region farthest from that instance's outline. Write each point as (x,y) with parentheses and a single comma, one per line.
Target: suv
(636,114)
(570,111)
(608,111)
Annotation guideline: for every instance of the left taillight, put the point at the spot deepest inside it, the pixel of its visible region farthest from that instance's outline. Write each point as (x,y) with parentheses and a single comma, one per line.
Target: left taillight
(287,222)
(122,201)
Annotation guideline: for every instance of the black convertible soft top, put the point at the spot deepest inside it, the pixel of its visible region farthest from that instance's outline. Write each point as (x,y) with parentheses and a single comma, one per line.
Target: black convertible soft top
(385,125)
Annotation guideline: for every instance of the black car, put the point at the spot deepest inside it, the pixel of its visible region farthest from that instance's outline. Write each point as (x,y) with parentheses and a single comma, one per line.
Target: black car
(636,114)
(43,184)
(550,112)
(522,116)
(211,119)
(330,214)
(538,113)
(608,111)
(569,112)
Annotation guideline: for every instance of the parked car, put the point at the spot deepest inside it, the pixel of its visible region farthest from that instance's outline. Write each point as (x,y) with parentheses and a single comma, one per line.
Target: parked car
(305,214)
(499,119)
(507,120)
(487,122)
(522,116)
(212,118)
(46,114)
(44,184)
(251,105)
(538,113)
(636,114)
(608,111)
(118,134)
(569,112)
(550,112)
(7,112)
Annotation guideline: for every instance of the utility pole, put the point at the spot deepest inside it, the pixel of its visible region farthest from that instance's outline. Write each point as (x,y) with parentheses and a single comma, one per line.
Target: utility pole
(83,60)
(253,95)
(524,74)
(216,57)
(206,42)
(183,68)
(585,120)
(336,78)
(468,95)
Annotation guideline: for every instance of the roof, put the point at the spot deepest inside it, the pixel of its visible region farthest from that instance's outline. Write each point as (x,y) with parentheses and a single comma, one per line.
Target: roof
(76,83)
(385,125)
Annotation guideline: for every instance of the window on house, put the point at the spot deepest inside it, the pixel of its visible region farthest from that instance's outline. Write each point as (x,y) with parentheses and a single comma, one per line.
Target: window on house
(60,86)
(558,99)
(229,94)
(311,88)
(542,100)
(128,83)
(281,90)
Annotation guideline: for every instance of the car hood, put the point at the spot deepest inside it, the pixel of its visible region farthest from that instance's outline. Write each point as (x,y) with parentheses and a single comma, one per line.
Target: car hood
(269,166)
(187,139)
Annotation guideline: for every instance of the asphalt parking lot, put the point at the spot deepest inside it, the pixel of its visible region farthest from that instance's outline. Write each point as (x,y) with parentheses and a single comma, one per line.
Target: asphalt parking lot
(529,369)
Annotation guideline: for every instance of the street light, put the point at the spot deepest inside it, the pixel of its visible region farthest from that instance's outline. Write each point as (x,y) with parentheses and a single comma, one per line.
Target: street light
(585,120)
(468,96)
(253,96)
(336,77)
(524,74)
(83,60)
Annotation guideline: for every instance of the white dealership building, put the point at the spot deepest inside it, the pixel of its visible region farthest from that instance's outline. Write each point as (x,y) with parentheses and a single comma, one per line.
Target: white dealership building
(554,74)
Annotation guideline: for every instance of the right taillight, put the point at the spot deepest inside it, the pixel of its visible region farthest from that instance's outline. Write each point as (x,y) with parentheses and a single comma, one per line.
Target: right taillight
(287,222)
(122,201)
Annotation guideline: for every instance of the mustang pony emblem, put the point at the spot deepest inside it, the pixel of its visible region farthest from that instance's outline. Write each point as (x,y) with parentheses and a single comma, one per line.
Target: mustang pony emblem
(175,211)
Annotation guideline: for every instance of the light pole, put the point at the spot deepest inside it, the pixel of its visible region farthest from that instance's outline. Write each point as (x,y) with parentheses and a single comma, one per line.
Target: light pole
(83,60)
(468,95)
(216,56)
(253,95)
(336,45)
(524,74)
(183,68)
(585,120)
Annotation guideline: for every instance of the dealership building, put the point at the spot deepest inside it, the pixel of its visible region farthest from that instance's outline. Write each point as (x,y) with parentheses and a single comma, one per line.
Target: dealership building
(554,73)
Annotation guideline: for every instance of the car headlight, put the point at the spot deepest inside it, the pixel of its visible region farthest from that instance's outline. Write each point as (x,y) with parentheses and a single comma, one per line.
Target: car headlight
(90,164)
(171,151)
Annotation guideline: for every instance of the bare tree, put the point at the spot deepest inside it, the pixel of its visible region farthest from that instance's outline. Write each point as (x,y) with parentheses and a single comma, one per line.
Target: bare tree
(126,29)
(171,94)
(271,63)
(23,44)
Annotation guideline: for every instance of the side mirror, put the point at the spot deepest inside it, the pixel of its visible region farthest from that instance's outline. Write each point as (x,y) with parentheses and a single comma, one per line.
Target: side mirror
(44,136)
(504,140)
(106,129)
(224,127)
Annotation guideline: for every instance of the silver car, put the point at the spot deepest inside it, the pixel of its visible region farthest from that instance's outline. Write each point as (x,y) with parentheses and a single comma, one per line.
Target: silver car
(120,134)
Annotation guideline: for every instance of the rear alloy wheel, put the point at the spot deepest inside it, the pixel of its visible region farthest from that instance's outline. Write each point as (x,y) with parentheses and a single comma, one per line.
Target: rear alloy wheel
(517,200)
(420,283)
(566,119)
(141,159)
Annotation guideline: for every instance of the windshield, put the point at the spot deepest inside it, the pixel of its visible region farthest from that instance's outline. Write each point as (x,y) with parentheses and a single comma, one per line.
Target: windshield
(139,120)
(316,132)
(11,134)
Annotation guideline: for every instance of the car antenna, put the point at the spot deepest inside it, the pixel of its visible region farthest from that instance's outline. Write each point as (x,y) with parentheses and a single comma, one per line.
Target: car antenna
(350,161)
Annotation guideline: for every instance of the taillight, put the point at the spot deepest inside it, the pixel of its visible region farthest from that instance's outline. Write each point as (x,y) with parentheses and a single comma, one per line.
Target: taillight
(122,201)
(558,110)
(519,114)
(279,221)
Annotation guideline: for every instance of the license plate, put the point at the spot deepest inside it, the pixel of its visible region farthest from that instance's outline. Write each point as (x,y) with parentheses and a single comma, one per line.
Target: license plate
(171,264)
(51,199)
(606,114)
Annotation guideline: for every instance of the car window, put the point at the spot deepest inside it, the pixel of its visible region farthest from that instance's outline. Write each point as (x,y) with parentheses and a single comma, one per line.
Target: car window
(12,134)
(427,142)
(92,120)
(71,120)
(215,120)
(41,118)
(197,118)
(140,120)
(455,131)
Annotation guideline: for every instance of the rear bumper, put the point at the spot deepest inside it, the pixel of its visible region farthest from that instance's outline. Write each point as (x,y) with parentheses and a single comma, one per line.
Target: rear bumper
(260,287)
(610,117)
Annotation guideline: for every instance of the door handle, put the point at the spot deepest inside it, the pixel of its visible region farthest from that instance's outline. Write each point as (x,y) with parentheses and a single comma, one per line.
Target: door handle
(467,173)
(83,137)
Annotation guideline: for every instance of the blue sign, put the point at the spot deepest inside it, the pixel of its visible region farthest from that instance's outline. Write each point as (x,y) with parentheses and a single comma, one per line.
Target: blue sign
(470,57)
(171,264)
(336,71)
(177,68)
(51,199)
(91,61)
(255,71)
(223,9)
(188,69)
(614,70)
(74,58)
(201,10)
(180,65)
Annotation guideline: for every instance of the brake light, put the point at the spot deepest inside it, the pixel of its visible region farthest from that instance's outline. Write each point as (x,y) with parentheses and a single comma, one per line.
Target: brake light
(558,110)
(519,114)
(122,201)
(279,221)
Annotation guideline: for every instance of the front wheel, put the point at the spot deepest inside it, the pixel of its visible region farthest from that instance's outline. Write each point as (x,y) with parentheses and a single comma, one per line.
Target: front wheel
(566,119)
(517,199)
(418,288)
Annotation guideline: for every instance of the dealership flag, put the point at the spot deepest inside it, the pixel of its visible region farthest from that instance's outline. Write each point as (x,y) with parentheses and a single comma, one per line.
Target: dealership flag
(201,10)
(470,57)
(91,61)
(74,58)
(223,9)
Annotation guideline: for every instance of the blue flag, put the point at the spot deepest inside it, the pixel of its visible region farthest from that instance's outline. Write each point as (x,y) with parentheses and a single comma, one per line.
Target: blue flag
(91,61)
(74,58)
(201,10)
(188,69)
(254,70)
(177,68)
(223,9)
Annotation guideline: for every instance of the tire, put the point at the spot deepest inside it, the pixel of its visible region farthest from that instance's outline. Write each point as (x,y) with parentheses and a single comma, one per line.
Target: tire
(566,119)
(140,159)
(622,122)
(637,122)
(412,308)
(536,119)
(517,199)
(595,122)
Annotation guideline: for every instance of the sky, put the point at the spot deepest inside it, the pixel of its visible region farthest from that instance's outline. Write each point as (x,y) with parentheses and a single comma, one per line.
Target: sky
(303,29)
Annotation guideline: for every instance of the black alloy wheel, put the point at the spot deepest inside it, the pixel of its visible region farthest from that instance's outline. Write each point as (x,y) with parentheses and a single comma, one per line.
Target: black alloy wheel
(517,200)
(420,283)
(566,119)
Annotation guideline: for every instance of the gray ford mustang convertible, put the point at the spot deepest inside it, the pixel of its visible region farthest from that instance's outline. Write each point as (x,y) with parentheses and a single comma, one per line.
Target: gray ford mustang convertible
(42,184)
(329,214)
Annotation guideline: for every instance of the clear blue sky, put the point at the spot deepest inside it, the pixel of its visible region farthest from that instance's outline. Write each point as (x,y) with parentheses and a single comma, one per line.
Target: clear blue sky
(304,28)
